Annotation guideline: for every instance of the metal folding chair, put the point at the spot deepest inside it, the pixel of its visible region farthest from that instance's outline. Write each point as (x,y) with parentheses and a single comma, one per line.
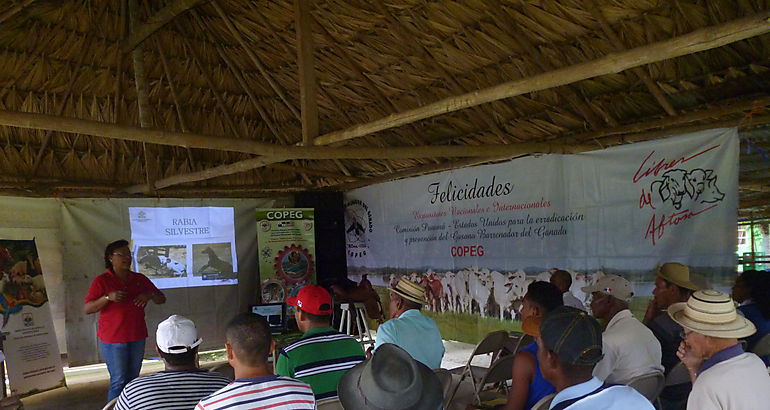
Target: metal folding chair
(649,385)
(491,344)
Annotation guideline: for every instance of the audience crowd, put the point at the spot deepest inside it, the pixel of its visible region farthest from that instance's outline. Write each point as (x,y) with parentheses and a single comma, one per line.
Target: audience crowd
(582,357)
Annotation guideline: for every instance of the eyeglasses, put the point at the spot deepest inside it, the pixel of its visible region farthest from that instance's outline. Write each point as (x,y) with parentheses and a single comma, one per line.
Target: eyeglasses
(683,334)
(123,255)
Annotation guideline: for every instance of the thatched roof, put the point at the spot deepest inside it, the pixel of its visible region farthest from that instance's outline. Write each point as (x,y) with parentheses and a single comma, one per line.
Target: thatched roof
(252,98)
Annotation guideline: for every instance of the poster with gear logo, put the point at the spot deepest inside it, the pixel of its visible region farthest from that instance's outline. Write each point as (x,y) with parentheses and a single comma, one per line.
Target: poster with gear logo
(286,241)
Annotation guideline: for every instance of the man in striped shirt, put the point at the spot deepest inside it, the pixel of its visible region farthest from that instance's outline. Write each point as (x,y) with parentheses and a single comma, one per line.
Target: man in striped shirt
(182,384)
(255,386)
(322,355)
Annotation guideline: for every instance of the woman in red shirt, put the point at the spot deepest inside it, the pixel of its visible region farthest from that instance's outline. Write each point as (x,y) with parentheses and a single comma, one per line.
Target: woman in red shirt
(120,296)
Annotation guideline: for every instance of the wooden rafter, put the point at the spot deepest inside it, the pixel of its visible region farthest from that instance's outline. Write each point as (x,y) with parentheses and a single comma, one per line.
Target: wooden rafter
(171,138)
(306,63)
(160,19)
(254,59)
(15,10)
(143,100)
(618,45)
(699,40)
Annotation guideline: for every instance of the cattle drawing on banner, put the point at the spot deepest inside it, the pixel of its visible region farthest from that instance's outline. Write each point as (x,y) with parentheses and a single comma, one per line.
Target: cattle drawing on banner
(475,238)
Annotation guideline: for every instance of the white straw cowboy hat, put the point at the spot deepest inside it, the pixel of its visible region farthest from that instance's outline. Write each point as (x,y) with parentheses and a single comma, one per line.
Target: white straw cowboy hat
(711,313)
(677,274)
(410,290)
(391,379)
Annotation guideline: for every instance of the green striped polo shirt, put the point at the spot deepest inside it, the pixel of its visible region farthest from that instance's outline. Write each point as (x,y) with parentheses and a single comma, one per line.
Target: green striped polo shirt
(320,358)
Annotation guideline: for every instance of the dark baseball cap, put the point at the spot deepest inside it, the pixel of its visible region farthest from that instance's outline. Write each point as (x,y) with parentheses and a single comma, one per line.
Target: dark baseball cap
(573,335)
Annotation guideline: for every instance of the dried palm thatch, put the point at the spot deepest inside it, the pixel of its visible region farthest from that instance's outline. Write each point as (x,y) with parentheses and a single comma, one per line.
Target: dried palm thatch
(253,98)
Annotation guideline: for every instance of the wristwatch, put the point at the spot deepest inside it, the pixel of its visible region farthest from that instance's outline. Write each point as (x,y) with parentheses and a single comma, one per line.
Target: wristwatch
(107,297)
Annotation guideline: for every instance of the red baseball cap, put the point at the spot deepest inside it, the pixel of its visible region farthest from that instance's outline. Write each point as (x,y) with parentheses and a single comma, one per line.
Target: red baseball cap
(312,299)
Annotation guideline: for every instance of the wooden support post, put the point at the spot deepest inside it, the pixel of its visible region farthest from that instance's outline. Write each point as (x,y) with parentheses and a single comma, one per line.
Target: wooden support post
(254,59)
(306,64)
(699,40)
(143,101)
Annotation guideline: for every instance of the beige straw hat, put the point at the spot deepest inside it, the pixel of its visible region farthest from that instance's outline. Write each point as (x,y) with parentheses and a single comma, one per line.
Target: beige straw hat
(677,274)
(410,290)
(711,313)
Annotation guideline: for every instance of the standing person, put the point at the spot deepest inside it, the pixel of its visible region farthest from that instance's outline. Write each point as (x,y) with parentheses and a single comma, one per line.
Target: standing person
(724,377)
(408,328)
(322,355)
(630,349)
(120,296)
(255,386)
(569,345)
(563,280)
(182,384)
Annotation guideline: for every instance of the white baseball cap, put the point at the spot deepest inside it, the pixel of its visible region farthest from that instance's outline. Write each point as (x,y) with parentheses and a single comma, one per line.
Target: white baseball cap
(612,285)
(176,335)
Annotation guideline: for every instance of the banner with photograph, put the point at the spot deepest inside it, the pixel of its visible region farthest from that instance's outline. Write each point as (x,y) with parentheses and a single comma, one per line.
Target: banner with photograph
(286,241)
(32,355)
(475,237)
(184,246)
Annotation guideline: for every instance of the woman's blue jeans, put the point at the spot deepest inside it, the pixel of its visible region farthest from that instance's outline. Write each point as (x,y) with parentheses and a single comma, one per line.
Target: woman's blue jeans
(124,361)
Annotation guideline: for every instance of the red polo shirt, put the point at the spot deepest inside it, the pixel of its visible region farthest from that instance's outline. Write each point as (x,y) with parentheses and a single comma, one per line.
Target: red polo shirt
(120,322)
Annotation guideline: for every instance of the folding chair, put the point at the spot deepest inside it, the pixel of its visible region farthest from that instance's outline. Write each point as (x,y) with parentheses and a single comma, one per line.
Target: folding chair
(677,375)
(445,377)
(649,385)
(498,374)
(329,404)
(544,403)
(491,344)
(524,340)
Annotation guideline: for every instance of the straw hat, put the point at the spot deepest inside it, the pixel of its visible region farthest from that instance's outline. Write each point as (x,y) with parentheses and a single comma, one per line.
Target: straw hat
(677,274)
(409,290)
(711,313)
(391,379)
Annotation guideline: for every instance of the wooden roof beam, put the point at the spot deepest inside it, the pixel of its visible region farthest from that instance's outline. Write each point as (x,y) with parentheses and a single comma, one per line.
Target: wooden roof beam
(155,22)
(250,146)
(699,40)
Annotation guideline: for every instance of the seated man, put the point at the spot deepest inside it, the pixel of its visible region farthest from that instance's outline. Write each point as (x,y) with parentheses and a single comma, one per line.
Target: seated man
(563,280)
(630,349)
(183,383)
(723,375)
(248,345)
(408,328)
(569,344)
(322,355)
(672,285)
(390,380)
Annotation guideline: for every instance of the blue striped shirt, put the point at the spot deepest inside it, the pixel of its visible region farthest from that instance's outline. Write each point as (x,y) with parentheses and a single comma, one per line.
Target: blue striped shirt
(170,390)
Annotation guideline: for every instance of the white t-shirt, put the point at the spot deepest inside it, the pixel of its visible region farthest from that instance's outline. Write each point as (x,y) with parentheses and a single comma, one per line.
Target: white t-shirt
(630,350)
(740,383)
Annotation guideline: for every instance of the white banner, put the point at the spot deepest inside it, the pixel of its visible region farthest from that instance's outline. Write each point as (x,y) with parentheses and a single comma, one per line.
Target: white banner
(32,354)
(184,246)
(621,210)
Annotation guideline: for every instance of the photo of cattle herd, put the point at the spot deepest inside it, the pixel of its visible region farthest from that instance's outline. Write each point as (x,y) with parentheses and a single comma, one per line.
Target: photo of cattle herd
(480,291)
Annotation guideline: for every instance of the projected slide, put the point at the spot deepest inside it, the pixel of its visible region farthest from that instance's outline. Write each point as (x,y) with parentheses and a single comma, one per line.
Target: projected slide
(185,246)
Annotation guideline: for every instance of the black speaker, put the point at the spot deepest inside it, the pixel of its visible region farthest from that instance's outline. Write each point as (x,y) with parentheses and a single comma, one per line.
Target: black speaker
(329,211)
